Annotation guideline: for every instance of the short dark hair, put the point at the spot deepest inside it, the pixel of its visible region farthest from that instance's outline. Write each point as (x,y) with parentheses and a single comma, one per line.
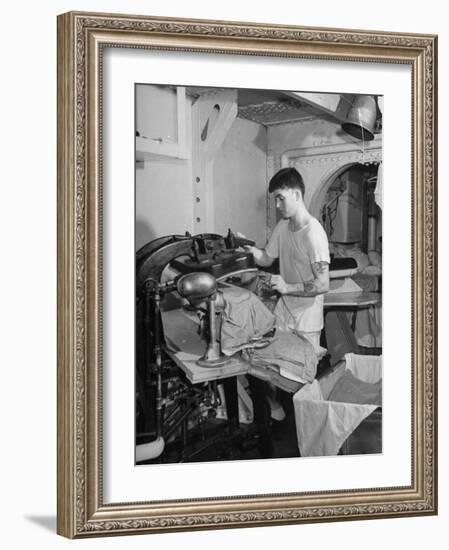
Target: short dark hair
(287,178)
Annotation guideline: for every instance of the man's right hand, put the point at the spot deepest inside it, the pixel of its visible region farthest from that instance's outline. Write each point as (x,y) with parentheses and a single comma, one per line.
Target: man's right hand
(260,256)
(244,241)
(245,247)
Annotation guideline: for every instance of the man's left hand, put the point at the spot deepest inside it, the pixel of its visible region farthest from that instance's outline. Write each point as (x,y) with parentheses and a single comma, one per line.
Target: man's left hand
(278,283)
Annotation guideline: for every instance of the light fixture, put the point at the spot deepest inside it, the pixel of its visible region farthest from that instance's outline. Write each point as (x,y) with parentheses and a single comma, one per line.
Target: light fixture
(361,118)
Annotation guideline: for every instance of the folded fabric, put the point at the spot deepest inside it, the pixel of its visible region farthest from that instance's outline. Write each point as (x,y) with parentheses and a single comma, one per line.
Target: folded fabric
(323,420)
(292,354)
(245,318)
(271,374)
(350,389)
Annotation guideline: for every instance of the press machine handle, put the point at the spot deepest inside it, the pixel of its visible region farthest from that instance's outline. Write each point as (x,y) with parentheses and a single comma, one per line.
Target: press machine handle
(234,241)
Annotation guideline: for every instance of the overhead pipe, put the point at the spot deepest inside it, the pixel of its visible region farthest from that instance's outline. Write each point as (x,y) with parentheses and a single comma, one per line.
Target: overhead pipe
(151,450)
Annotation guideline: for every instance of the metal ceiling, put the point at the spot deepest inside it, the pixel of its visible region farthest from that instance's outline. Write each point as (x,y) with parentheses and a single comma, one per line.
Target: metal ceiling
(267,107)
(272,107)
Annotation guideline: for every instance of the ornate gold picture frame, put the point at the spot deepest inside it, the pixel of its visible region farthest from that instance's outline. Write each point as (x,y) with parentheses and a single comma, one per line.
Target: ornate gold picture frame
(82,508)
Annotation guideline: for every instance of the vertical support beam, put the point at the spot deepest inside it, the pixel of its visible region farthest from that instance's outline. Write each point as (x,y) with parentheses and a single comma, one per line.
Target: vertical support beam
(212,118)
(274,163)
(181,121)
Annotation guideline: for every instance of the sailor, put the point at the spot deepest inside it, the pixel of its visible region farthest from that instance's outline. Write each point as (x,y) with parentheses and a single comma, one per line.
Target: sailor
(300,243)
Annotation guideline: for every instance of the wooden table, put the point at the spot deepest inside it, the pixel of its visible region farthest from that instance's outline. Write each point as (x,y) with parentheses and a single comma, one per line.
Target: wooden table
(357,300)
(185,347)
(336,307)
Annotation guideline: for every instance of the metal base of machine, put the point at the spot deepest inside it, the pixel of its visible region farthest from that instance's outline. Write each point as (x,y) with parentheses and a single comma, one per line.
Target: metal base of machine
(218,362)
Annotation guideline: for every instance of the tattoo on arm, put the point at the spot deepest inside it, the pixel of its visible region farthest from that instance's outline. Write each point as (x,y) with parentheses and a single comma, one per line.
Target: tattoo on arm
(310,287)
(321,267)
(318,285)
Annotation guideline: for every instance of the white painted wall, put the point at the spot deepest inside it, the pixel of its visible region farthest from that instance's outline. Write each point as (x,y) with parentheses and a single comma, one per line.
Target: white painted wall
(156,113)
(28,290)
(299,135)
(162,187)
(310,133)
(240,181)
(163,184)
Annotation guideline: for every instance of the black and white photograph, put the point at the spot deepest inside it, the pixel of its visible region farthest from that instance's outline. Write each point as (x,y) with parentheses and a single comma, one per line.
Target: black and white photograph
(258,274)
(229,335)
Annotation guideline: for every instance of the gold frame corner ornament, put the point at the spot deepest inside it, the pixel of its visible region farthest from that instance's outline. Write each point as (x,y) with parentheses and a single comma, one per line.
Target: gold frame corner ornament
(81,36)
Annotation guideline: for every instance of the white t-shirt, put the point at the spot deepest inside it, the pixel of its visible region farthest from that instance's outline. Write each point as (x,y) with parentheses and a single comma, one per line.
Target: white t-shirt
(297,251)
